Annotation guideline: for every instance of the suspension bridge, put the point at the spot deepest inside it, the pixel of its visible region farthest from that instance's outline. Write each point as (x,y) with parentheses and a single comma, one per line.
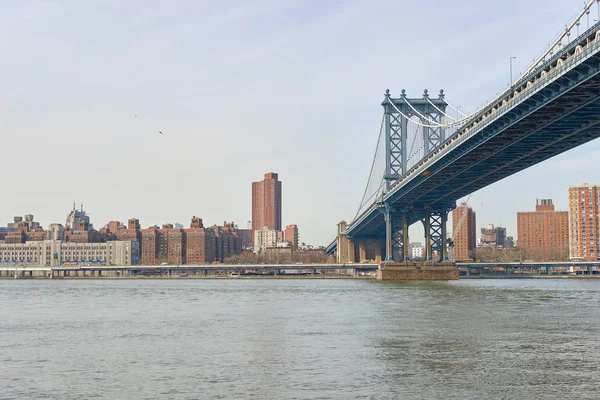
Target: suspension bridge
(432,154)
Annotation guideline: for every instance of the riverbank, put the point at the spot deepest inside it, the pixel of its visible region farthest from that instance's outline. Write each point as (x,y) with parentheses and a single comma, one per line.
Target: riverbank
(194,277)
(532,277)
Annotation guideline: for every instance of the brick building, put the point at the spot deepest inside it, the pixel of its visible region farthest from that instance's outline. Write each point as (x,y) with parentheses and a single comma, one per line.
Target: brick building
(245,238)
(583,221)
(544,229)
(465,236)
(149,245)
(131,233)
(171,245)
(266,203)
(199,243)
(227,241)
(291,235)
(24,229)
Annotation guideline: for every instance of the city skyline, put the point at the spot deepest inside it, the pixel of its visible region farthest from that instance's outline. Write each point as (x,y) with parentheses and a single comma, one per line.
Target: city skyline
(78,113)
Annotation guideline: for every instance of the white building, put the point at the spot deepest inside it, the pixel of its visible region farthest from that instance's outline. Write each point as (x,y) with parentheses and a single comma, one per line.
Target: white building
(55,253)
(56,232)
(416,251)
(266,238)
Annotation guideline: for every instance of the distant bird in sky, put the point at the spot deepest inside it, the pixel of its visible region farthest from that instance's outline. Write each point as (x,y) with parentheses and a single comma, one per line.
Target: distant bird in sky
(160,133)
(135,115)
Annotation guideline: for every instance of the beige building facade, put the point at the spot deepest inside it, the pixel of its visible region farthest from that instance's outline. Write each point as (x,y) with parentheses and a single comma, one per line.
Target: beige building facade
(266,238)
(55,253)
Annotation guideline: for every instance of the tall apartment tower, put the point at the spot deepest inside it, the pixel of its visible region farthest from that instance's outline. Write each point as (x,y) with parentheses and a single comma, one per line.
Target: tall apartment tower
(465,236)
(266,203)
(544,229)
(583,221)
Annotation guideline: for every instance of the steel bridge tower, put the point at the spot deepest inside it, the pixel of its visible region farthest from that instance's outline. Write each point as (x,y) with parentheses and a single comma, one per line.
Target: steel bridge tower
(430,113)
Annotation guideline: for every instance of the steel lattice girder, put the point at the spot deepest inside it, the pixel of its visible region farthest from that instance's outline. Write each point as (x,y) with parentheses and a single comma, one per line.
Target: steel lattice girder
(396,160)
(397,237)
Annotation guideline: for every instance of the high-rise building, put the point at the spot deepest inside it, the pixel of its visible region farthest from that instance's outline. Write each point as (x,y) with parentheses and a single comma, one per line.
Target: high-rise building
(149,245)
(291,235)
(544,229)
(171,245)
(199,243)
(583,221)
(266,203)
(227,241)
(465,239)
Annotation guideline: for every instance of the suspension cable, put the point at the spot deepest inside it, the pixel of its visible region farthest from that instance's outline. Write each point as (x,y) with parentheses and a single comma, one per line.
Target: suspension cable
(421,115)
(434,125)
(458,111)
(557,42)
(372,164)
(439,110)
(404,115)
(413,141)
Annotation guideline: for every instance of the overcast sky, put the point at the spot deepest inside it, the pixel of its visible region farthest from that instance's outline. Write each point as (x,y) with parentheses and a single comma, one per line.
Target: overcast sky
(243,88)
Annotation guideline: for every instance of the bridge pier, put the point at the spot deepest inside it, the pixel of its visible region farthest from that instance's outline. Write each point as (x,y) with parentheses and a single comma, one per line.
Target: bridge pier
(362,251)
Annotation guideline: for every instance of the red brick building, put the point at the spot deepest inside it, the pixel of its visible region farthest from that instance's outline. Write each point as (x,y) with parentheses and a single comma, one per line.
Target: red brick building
(149,246)
(544,229)
(291,235)
(131,233)
(199,243)
(266,203)
(171,243)
(583,221)
(465,237)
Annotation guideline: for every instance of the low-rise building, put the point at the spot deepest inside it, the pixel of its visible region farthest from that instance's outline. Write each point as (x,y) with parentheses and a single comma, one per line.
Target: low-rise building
(55,253)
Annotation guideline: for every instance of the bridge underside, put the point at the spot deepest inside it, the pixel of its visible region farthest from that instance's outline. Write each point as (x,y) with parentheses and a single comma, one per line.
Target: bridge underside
(559,117)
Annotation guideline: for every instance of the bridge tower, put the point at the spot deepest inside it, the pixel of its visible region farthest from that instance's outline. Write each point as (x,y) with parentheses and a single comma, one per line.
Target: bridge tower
(430,113)
(398,111)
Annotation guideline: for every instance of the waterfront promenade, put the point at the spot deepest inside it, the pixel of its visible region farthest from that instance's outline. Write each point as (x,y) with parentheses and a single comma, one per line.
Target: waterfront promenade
(529,270)
(193,271)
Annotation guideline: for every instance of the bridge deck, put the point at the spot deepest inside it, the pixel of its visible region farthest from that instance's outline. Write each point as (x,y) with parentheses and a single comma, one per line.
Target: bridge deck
(560,111)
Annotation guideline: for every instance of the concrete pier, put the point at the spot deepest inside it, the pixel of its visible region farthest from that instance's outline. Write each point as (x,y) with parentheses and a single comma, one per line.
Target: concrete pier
(408,271)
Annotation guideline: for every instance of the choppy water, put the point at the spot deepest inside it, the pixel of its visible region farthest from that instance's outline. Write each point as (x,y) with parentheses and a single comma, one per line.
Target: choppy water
(299,339)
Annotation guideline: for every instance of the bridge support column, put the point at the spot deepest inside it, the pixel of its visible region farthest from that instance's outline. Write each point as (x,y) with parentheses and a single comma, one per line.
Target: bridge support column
(345,246)
(427,228)
(351,257)
(405,238)
(387,214)
(378,246)
(435,233)
(362,250)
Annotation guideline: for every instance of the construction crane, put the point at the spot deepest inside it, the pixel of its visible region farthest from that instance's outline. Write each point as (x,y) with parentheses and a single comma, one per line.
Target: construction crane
(455,231)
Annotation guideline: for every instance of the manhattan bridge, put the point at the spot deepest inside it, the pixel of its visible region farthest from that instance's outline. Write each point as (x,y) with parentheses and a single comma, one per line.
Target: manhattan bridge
(430,154)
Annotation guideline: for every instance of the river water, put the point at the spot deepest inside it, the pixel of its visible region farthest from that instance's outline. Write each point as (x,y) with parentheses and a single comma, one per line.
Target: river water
(299,339)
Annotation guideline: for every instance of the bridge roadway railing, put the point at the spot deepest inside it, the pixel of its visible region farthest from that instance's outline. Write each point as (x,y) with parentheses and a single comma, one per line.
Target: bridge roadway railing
(468,132)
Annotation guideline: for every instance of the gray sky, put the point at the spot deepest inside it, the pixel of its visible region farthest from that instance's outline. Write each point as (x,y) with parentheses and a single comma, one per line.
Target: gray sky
(238,90)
